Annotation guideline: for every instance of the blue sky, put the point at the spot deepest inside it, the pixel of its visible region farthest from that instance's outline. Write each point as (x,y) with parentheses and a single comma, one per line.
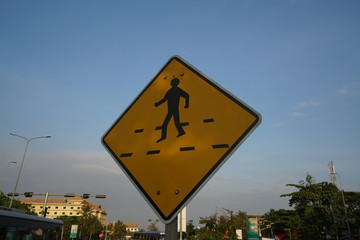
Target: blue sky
(68,69)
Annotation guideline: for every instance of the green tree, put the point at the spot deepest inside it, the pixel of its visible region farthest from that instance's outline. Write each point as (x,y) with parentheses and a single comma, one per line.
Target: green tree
(119,230)
(352,201)
(153,227)
(191,231)
(108,229)
(319,207)
(5,201)
(211,229)
(87,222)
(279,220)
(223,226)
(94,226)
(68,221)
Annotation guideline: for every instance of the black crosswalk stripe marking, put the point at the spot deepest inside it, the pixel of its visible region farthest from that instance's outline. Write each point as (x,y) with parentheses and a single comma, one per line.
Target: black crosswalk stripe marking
(187,149)
(220,146)
(182,149)
(126,155)
(153,152)
(209,120)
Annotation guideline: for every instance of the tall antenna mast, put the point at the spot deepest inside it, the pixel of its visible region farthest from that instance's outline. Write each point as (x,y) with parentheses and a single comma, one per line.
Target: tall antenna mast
(331,169)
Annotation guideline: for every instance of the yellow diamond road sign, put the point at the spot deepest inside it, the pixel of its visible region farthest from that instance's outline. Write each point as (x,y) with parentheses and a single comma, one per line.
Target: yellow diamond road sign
(176,134)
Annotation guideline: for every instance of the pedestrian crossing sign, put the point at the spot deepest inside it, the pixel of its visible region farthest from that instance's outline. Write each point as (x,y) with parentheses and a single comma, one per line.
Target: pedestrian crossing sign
(176,134)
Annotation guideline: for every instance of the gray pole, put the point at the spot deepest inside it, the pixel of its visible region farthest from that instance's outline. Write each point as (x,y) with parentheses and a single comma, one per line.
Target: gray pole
(45,203)
(171,230)
(17,180)
(22,162)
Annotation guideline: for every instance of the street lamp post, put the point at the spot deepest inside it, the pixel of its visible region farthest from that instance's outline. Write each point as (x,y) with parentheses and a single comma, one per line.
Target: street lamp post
(7,168)
(22,162)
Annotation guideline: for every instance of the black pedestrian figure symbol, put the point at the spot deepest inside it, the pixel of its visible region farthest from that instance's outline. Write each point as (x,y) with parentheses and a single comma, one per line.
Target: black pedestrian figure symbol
(173,99)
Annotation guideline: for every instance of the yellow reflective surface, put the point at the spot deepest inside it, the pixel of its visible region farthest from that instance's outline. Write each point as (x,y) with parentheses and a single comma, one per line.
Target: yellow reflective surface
(168,171)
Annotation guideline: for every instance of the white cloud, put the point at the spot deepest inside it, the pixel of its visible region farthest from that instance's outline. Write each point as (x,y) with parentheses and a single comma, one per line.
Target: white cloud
(302,105)
(278,124)
(350,89)
(79,162)
(342,91)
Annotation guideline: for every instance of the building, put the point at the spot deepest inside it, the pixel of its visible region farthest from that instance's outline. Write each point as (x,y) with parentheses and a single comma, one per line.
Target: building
(131,226)
(65,207)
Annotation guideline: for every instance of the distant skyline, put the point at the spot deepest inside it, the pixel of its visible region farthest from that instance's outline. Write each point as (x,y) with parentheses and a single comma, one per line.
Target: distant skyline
(70,69)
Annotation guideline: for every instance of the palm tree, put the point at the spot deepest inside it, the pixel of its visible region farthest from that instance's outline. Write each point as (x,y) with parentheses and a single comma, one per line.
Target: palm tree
(86,215)
(94,225)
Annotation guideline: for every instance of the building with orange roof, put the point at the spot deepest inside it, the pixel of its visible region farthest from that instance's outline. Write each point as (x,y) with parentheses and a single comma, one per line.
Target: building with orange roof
(131,226)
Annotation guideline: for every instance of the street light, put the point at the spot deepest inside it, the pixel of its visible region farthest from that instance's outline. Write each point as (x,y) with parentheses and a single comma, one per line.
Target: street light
(22,162)
(7,168)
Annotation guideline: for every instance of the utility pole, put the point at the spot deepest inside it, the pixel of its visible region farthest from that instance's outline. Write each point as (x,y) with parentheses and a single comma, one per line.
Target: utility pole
(332,174)
(331,170)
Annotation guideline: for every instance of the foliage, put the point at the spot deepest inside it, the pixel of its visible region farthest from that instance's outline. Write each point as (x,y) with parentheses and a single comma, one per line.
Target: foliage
(318,210)
(210,232)
(5,201)
(119,231)
(89,223)
(352,200)
(68,221)
(95,226)
(153,227)
(191,231)
(276,221)
(223,226)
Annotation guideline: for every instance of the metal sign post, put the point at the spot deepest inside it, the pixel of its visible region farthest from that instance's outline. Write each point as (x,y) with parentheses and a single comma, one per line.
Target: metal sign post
(171,230)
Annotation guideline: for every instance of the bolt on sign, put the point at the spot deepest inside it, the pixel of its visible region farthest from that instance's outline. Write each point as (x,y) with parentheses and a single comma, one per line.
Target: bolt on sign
(176,134)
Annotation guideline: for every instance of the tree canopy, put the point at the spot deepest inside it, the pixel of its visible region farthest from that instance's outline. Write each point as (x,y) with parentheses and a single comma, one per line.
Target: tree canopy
(5,201)
(89,223)
(319,211)
(153,227)
(223,225)
(68,221)
(119,230)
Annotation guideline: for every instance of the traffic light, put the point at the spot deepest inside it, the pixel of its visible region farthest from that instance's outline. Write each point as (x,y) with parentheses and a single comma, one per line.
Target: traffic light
(15,194)
(69,195)
(100,196)
(28,194)
(191,221)
(86,196)
(150,220)
(45,211)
